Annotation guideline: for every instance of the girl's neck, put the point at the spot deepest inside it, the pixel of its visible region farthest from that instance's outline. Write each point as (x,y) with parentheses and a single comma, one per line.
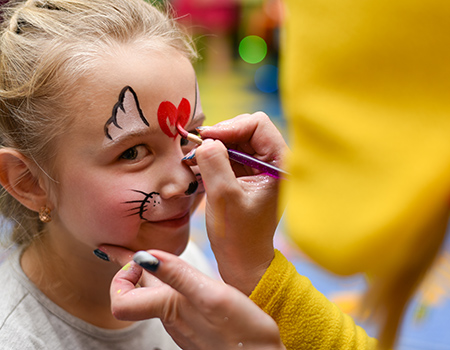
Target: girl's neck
(72,277)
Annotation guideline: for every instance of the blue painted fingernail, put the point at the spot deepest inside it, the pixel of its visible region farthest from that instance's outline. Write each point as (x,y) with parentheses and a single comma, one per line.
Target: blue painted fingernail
(101,255)
(190,155)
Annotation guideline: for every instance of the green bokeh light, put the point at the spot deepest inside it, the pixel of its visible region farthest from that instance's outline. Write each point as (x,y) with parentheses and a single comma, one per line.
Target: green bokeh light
(253,49)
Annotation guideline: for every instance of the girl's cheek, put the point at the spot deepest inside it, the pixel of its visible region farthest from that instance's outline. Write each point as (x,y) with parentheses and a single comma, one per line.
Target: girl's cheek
(116,210)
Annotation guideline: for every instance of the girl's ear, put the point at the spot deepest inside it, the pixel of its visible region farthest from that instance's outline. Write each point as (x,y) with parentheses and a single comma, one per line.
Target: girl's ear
(18,178)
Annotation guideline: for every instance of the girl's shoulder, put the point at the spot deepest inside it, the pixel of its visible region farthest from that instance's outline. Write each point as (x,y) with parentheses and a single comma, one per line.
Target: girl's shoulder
(20,314)
(12,291)
(29,320)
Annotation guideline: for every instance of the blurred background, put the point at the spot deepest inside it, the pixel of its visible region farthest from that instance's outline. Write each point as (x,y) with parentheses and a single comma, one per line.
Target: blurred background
(238,41)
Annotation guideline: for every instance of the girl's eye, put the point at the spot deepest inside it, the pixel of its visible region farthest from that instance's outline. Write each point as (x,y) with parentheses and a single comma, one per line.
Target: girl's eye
(134,153)
(184,142)
(187,145)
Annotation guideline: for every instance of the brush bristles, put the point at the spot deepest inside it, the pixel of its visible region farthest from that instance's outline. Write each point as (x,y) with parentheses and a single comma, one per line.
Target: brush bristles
(182,131)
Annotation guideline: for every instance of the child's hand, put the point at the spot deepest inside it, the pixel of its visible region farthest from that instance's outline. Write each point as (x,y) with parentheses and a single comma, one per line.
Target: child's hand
(241,203)
(197,311)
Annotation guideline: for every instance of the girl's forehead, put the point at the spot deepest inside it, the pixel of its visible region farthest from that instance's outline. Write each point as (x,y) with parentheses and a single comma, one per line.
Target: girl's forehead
(128,118)
(138,82)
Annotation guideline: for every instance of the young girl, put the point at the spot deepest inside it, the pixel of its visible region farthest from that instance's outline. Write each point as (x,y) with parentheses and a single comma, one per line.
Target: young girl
(90,91)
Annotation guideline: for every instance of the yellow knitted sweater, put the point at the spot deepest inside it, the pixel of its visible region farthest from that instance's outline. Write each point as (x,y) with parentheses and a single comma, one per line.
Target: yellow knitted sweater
(366,91)
(305,317)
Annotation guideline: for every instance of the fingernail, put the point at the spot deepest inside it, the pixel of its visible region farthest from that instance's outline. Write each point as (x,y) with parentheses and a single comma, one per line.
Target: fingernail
(190,155)
(207,141)
(146,260)
(101,255)
(201,128)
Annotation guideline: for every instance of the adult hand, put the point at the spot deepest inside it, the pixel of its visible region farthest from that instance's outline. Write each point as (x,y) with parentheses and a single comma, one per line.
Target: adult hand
(241,203)
(197,311)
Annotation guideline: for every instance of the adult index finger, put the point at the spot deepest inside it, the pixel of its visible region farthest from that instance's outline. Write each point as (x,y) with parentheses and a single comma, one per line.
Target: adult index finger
(131,302)
(116,254)
(217,173)
(252,132)
(206,294)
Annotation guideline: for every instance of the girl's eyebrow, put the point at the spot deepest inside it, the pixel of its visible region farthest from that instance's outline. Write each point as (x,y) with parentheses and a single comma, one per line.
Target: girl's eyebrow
(119,140)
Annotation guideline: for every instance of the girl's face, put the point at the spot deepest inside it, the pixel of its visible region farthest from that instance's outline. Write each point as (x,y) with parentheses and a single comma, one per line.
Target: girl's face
(121,178)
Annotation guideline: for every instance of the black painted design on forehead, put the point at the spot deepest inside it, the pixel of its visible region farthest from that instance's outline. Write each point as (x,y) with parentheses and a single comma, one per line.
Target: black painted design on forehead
(123,111)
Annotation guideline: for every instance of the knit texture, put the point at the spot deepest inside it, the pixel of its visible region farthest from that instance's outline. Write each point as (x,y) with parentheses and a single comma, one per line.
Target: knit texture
(305,317)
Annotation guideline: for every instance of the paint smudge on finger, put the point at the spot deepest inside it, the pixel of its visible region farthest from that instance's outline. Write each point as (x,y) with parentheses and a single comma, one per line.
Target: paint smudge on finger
(126,267)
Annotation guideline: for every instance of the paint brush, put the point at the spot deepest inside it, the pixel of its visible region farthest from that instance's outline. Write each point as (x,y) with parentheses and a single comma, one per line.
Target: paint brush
(187,135)
(239,157)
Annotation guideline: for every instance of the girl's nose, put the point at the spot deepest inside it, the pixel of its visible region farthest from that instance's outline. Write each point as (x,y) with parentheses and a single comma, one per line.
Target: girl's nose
(178,179)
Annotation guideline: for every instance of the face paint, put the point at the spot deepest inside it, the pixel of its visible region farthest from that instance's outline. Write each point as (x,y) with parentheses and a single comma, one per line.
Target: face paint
(126,115)
(151,199)
(192,188)
(169,116)
(122,148)
(126,267)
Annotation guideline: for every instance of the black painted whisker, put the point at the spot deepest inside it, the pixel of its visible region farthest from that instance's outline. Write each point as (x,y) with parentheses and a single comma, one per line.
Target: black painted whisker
(133,214)
(144,203)
(145,193)
(137,201)
(138,208)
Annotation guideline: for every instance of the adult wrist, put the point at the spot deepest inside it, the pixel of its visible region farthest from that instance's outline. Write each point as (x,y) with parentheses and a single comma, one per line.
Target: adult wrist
(244,273)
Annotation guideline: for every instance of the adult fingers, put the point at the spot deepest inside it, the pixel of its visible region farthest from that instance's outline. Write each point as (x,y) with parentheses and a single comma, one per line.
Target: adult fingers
(130,301)
(208,296)
(134,304)
(217,173)
(252,132)
(117,255)
(122,256)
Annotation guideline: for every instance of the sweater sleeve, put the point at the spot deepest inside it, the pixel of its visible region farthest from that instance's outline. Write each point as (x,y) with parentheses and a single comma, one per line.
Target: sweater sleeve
(305,317)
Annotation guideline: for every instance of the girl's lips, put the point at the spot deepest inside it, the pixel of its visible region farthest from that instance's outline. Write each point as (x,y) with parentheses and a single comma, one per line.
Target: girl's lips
(177,221)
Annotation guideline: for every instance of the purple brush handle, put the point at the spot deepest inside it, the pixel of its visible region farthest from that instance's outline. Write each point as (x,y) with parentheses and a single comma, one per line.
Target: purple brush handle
(245,159)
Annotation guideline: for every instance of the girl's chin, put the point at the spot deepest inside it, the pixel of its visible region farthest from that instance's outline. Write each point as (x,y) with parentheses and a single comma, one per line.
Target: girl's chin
(174,245)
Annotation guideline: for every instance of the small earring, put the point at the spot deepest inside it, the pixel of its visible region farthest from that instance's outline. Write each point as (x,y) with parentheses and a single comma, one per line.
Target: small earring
(44,215)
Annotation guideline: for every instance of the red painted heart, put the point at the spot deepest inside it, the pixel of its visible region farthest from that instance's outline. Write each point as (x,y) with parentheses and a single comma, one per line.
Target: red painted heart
(169,116)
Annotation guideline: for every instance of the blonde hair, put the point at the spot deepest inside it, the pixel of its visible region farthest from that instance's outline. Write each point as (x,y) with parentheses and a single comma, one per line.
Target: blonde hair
(45,47)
